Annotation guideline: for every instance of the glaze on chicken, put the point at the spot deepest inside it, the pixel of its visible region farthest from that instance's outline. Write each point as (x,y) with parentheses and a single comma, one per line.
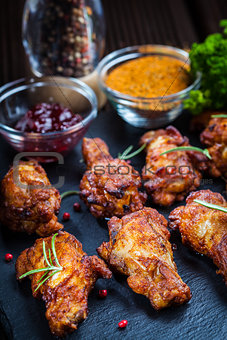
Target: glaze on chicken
(28,202)
(204,229)
(214,137)
(139,248)
(109,186)
(168,178)
(66,293)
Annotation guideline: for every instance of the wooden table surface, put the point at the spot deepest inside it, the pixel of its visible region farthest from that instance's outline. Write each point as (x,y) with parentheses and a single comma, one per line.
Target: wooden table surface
(129,22)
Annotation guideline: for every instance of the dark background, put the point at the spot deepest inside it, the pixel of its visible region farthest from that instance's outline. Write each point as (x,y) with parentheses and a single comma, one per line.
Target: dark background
(175,22)
(129,22)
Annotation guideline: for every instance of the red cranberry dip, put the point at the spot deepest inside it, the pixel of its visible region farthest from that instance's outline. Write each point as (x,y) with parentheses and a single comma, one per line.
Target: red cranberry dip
(44,117)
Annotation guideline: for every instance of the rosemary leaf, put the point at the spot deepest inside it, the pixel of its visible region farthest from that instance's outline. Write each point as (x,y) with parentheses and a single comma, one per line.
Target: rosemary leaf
(50,258)
(129,149)
(54,251)
(41,283)
(128,156)
(125,152)
(69,193)
(211,205)
(44,254)
(207,154)
(42,277)
(188,148)
(219,116)
(35,271)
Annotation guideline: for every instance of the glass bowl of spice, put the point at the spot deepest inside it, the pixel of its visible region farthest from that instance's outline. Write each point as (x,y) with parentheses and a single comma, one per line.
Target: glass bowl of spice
(46,115)
(147,84)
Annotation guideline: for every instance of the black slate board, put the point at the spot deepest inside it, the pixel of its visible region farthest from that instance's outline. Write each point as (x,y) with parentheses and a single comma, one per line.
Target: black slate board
(204,317)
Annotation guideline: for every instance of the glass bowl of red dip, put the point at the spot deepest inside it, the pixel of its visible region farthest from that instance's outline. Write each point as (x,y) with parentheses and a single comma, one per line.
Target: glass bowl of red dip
(46,115)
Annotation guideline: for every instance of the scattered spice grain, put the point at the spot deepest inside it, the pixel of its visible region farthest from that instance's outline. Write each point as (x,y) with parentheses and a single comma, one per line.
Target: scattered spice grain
(150,76)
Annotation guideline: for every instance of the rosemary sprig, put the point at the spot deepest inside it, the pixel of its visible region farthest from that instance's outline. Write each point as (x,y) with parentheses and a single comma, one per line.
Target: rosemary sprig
(41,283)
(188,148)
(121,156)
(222,115)
(69,193)
(50,265)
(211,205)
(127,155)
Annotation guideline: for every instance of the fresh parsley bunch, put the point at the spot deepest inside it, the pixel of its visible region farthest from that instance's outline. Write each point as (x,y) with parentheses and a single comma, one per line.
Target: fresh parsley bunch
(210,58)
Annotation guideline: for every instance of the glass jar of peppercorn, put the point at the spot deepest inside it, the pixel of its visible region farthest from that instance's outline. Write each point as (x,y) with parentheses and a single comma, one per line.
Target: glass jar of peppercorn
(63,37)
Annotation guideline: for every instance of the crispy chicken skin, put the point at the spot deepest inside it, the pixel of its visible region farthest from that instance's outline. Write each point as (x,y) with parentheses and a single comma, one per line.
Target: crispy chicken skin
(204,229)
(29,209)
(168,178)
(215,138)
(109,186)
(66,292)
(139,248)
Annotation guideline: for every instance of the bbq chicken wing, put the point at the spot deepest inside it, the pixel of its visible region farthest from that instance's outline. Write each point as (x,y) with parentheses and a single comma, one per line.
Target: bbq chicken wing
(204,229)
(28,202)
(109,186)
(139,248)
(170,177)
(215,138)
(66,292)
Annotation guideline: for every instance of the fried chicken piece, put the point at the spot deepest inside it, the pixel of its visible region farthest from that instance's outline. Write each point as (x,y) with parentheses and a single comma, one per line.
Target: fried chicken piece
(109,186)
(66,292)
(204,229)
(28,202)
(215,138)
(168,178)
(139,248)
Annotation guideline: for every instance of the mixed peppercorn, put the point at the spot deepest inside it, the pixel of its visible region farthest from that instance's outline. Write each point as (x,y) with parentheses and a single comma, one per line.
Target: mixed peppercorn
(66,44)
